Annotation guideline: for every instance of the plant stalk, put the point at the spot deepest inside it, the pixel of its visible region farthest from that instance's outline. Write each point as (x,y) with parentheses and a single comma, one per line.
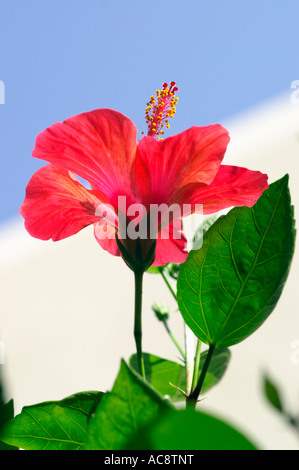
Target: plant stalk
(138,321)
(193,397)
(196,364)
(189,358)
(176,343)
(168,283)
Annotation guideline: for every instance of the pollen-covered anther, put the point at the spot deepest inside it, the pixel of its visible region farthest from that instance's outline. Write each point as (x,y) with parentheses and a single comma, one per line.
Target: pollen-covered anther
(160,109)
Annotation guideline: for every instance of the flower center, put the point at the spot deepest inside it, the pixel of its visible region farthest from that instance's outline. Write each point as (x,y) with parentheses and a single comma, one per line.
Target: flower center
(160,109)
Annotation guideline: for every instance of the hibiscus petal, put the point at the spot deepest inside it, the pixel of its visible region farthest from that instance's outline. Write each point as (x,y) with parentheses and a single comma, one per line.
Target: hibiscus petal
(232,186)
(193,156)
(99,146)
(104,233)
(57,206)
(141,181)
(171,246)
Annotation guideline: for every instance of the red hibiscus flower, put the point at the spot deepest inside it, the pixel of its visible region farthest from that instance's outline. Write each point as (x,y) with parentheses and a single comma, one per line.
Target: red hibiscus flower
(101,148)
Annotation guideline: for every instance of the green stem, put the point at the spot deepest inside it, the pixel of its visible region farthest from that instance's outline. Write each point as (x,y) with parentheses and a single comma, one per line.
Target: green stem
(196,364)
(189,358)
(193,397)
(173,339)
(168,283)
(138,320)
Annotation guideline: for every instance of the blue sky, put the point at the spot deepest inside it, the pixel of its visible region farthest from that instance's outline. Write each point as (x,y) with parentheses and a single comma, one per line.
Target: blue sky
(63,57)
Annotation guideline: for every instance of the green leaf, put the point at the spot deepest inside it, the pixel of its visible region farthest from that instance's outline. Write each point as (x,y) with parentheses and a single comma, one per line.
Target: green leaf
(153,270)
(6,414)
(171,268)
(229,287)
(273,394)
(162,372)
(124,411)
(52,425)
(190,430)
